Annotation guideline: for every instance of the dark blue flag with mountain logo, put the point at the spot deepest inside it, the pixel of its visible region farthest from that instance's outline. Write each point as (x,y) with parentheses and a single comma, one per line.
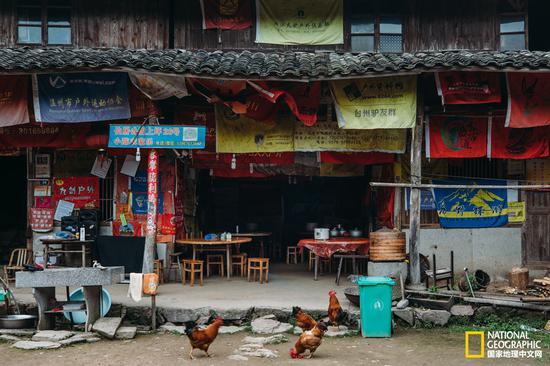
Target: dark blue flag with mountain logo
(471,208)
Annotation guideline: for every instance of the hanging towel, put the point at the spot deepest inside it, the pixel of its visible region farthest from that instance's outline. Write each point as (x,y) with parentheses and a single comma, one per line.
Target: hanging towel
(136,286)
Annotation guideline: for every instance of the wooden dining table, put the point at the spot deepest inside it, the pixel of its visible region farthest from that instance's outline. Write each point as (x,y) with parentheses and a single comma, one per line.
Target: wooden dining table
(215,246)
(85,247)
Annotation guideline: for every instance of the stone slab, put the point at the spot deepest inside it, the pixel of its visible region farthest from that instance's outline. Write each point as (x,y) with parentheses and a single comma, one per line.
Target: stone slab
(274,339)
(407,315)
(230,329)
(171,328)
(436,317)
(462,310)
(126,333)
(18,332)
(9,338)
(51,335)
(31,345)
(82,276)
(107,326)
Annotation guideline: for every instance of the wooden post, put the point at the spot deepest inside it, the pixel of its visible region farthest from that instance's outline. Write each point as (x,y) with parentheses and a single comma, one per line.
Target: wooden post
(414,214)
(152,197)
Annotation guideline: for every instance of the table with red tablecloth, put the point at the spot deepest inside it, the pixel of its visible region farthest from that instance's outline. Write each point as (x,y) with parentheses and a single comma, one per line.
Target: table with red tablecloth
(326,248)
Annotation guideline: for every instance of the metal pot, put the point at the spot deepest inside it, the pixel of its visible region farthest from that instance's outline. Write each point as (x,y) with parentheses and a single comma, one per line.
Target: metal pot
(356,233)
(334,233)
(17,321)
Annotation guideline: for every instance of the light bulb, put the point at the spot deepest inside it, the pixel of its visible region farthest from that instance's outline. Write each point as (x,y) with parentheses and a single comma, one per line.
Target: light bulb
(138,154)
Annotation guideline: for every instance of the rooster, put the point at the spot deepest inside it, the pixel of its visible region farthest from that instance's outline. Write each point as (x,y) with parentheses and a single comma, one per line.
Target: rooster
(303,319)
(202,338)
(336,314)
(309,340)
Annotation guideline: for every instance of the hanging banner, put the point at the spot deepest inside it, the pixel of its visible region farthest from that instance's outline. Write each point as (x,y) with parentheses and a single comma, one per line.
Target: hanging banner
(456,137)
(528,102)
(516,211)
(41,219)
(81,97)
(13,100)
(467,87)
(83,192)
(311,22)
(158,86)
(517,143)
(157,136)
(372,103)
(471,208)
(226,14)
(359,158)
(326,136)
(239,134)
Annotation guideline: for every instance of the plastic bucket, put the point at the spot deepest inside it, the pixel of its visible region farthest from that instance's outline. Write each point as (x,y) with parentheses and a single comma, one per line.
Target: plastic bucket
(80,317)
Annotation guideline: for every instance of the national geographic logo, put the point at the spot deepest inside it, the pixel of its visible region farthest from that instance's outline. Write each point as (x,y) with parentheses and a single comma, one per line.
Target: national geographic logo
(501,344)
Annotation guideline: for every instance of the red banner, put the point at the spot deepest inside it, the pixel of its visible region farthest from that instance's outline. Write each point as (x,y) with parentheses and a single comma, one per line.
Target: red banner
(466,87)
(152,192)
(226,14)
(41,219)
(518,143)
(528,100)
(82,191)
(456,137)
(13,100)
(361,158)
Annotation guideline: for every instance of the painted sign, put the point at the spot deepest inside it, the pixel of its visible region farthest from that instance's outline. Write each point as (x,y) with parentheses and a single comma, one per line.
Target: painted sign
(157,136)
(139,186)
(81,97)
(516,211)
(82,191)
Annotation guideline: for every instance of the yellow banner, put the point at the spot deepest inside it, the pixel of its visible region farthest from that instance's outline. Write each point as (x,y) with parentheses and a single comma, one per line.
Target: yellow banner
(373,103)
(238,134)
(312,22)
(516,211)
(326,136)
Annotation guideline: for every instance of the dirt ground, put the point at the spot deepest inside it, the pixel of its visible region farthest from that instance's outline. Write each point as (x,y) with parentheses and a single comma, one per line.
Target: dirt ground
(411,347)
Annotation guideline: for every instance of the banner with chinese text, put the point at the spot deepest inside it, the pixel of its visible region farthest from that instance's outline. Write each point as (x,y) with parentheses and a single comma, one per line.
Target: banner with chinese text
(373,103)
(528,102)
(226,14)
(517,143)
(471,208)
(81,97)
(312,22)
(13,100)
(41,219)
(467,87)
(456,137)
(82,191)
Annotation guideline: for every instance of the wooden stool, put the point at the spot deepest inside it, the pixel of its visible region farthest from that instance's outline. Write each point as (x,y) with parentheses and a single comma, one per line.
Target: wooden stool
(323,262)
(192,266)
(260,265)
(158,268)
(292,255)
(215,260)
(174,264)
(239,261)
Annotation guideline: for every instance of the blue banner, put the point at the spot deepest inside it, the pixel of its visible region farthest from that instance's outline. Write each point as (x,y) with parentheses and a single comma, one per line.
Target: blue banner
(427,201)
(471,208)
(157,136)
(138,185)
(81,97)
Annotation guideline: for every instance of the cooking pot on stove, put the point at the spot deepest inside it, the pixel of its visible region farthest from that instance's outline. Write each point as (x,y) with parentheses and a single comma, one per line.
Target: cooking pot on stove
(356,233)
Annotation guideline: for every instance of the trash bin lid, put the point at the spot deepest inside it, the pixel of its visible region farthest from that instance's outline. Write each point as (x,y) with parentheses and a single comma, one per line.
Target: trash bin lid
(375,280)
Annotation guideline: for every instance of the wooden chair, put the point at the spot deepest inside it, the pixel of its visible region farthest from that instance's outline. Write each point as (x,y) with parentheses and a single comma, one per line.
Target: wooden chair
(158,268)
(292,255)
(18,258)
(446,274)
(215,260)
(174,264)
(239,261)
(260,266)
(192,266)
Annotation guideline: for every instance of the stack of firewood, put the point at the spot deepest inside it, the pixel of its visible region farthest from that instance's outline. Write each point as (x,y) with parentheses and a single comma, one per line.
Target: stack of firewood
(540,287)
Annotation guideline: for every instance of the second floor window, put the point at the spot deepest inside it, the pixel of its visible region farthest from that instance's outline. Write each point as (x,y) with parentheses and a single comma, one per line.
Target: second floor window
(44,22)
(376,33)
(512,32)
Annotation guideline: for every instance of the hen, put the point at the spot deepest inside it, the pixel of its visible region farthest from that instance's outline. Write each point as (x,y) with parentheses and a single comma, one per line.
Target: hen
(336,314)
(202,338)
(303,319)
(309,340)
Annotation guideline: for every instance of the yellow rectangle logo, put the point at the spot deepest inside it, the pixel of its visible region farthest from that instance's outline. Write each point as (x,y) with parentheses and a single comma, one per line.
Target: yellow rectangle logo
(481,353)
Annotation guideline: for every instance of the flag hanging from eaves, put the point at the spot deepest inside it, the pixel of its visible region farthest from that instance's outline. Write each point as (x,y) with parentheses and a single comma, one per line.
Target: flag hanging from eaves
(528,99)
(517,143)
(456,137)
(468,87)
(471,208)
(13,100)
(226,14)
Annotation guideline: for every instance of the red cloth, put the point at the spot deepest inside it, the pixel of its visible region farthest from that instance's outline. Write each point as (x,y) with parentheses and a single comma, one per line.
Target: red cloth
(13,100)
(385,206)
(226,14)
(201,115)
(456,137)
(361,158)
(466,87)
(82,191)
(326,248)
(140,105)
(528,101)
(518,143)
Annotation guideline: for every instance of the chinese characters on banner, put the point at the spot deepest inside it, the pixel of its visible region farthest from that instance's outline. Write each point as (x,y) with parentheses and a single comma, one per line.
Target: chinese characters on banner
(41,219)
(199,116)
(466,87)
(138,185)
(313,22)
(157,136)
(528,103)
(81,97)
(456,137)
(82,191)
(152,192)
(226,14)
(371,103)
(13,100)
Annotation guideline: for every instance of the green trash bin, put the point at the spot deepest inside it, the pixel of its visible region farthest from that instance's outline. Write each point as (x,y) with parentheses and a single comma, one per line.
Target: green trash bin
(375,299)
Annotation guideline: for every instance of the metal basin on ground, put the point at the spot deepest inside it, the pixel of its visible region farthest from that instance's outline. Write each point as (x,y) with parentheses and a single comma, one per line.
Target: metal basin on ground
(352,293)
(17,321)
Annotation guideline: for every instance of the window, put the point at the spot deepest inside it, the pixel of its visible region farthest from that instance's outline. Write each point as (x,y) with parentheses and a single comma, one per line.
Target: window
(512,32)
(44,22)
(376,34)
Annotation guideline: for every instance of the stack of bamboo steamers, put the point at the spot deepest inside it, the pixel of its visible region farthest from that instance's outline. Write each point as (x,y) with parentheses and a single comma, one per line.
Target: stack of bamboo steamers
(387,245)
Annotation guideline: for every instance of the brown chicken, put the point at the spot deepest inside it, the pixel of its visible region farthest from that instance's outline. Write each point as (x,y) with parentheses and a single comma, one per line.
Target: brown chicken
(303,319)
(202,338)
(336,314)
(309,340)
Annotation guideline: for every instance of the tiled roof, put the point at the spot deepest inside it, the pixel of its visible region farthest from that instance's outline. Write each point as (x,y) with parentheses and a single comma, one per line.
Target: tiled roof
(254,64)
